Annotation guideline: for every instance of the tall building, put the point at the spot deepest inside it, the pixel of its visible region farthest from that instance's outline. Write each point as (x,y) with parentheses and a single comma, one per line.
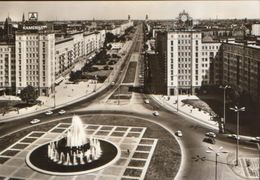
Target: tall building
(189,59)
(241,69)
(189,62)
(7,67)
(35,60)
(256,29)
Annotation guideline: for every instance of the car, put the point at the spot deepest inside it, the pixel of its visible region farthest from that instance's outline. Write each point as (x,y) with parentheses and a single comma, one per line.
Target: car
(211,134)
(209,140)
(178,133)
(35,121)
(257,138)
(48,113)
(62,112)
(156,113)
(146,101)
(233,136)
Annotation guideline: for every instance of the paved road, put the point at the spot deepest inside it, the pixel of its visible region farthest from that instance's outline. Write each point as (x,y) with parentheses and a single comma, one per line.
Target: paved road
(193,166)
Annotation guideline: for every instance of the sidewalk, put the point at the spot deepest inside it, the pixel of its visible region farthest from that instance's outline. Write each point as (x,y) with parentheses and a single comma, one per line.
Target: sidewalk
(170,103)
(68,93)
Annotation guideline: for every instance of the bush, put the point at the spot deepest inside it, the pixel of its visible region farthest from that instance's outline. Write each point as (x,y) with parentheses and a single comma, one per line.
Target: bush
(106,67)
(74,76)
(112,62)
(115,56)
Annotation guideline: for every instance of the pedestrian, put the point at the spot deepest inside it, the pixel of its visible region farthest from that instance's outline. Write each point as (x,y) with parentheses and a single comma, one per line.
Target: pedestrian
(128,151)
(191,111)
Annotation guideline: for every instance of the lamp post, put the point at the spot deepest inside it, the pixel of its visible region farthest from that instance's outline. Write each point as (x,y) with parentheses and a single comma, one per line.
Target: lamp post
(258,147)
(237,110)
(95,85)
(177,82)
(224,113)
(217,153)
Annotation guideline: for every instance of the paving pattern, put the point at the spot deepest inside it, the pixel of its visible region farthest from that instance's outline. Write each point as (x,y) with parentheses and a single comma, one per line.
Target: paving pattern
(250,166)
(136,153)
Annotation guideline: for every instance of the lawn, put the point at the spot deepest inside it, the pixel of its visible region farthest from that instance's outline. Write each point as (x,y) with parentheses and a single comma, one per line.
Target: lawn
(201,105)
(130,74)
(6,105)
(123,93)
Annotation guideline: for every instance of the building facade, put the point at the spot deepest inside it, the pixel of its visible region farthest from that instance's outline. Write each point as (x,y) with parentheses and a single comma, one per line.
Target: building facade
(241,68)
(7,67)
(39,59)
(35,61)
(188,61)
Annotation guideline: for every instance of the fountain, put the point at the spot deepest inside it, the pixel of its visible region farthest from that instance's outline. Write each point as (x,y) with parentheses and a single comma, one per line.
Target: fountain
(74,153)
(78,148)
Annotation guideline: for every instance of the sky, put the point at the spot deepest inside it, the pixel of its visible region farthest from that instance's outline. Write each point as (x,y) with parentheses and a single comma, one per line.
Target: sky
(86,10)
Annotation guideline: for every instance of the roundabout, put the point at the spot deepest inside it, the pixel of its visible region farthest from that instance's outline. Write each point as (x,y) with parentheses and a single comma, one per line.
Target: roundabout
(142,149)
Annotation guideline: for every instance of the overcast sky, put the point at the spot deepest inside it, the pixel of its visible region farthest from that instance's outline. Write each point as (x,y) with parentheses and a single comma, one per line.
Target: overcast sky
(81,10)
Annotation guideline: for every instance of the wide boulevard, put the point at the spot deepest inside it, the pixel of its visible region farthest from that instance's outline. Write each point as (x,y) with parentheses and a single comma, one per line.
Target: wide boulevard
(196,162)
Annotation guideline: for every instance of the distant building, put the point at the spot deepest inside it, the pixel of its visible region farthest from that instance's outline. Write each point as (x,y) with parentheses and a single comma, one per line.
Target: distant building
(256,29)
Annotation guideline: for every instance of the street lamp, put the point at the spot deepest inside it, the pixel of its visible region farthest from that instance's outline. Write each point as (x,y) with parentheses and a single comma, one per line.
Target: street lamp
(95,85)
(237,110)
(258,147)
(217,153)
(177,83)
(224,115)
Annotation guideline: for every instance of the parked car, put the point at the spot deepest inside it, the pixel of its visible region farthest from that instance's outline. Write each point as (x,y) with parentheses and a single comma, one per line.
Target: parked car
(156,113)
(178,133)
(146,101)
(233,136)
(209,140)
(62,112)
(35,121)
(48,113)
(211,134)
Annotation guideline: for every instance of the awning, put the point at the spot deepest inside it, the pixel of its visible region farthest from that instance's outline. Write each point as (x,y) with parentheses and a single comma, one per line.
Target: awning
(2,89)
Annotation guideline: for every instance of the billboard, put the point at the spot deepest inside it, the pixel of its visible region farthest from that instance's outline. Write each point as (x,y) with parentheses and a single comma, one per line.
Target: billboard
(33,16)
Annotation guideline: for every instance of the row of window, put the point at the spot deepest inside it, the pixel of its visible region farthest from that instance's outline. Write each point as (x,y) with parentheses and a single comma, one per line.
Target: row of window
(185,36)
(210,47)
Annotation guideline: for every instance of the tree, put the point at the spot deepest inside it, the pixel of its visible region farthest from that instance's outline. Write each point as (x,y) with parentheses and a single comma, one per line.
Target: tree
(29,94)
(109,47)
(75,75)
(109,37)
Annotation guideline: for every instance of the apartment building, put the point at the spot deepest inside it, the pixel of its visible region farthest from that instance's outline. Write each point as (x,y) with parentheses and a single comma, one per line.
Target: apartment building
(241,68)
(188,61)
(7,67)
(35,60)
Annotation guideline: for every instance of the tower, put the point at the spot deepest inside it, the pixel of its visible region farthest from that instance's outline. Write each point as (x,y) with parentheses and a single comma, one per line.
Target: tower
(146,17)
(23,19)
(129,18)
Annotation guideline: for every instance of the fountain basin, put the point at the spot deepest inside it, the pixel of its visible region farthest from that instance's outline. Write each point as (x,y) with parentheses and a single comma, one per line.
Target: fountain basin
(38,160)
